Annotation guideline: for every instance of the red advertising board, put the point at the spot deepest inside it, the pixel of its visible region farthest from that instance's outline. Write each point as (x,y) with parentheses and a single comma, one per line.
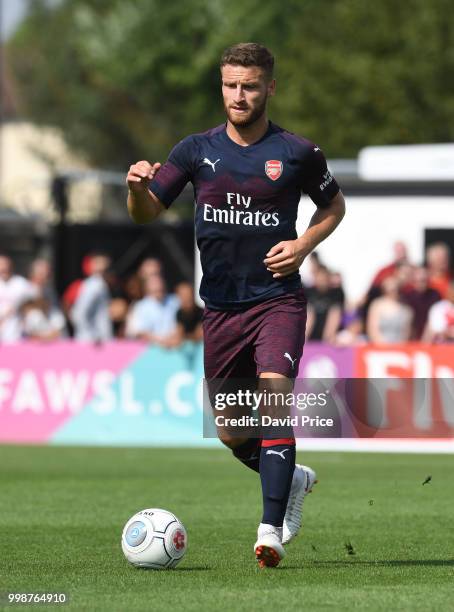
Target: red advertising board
(414,393)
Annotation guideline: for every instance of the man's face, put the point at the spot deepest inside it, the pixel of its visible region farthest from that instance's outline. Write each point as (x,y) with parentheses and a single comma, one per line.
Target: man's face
(99,264)
(155,287)
(321,280)
(41,272)
(6,268)
(185,293)
(438,257)
(245,90)
(149,267)
(420,278)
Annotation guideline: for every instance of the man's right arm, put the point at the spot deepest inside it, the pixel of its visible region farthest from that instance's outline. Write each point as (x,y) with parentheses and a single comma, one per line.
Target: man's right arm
(143,205)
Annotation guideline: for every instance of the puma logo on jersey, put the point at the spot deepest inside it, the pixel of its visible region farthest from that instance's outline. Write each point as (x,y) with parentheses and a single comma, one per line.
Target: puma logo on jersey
(280,453)
(210,163)
(290,359)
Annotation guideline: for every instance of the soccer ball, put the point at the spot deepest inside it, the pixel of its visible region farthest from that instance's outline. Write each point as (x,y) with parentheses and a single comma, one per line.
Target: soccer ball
(154,538)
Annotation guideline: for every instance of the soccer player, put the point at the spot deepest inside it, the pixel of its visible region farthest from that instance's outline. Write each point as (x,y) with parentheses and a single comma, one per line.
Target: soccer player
(248,175)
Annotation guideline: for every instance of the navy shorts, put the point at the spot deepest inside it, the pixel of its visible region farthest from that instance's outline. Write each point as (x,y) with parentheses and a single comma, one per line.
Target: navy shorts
(267,337)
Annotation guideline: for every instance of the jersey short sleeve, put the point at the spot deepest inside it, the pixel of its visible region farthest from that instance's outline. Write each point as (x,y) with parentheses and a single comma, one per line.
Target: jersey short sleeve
(318,182)
(177,171)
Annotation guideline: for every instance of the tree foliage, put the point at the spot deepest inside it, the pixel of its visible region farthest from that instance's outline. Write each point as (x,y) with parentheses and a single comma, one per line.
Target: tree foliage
(126,80)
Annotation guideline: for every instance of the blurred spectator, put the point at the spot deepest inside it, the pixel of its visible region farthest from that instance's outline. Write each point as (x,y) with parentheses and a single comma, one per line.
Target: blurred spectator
(440,326)
(134,285)
(389,321)
(405,276)
(399,265)
(402,271)
(90,313)
(420,298)
(310,271)
(189,315)
(14,291)
(73,289)
(438,256)
(118,304)
(118,313)
(153,318)
(335,282)
(134,289)
(41,321)
(324,311)
(40,277)
(149,267)
(400,257)
(352,333)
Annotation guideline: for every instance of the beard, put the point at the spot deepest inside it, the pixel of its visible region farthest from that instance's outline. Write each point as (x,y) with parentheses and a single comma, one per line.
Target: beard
(249,118)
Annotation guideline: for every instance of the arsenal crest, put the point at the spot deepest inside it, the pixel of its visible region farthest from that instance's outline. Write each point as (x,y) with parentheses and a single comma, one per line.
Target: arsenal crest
(273,169)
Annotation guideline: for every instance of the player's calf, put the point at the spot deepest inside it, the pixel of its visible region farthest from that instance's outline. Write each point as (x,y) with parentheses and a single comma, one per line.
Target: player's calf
(277,464)
(248,453)
(246,450)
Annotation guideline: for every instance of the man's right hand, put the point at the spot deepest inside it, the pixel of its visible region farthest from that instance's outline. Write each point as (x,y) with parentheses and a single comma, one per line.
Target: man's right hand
(143,205)
(140,174)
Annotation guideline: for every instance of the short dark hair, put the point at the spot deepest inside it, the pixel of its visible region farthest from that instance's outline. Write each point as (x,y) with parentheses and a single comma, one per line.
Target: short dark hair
(249,54)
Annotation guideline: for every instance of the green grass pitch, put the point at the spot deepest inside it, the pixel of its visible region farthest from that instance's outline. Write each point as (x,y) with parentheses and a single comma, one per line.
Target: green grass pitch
(63,509)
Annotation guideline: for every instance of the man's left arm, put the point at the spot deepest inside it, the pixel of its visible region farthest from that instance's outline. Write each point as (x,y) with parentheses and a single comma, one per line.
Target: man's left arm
(286,257)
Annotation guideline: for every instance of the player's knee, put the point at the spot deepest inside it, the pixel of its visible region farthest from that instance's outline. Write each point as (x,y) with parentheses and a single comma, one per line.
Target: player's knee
(230,441)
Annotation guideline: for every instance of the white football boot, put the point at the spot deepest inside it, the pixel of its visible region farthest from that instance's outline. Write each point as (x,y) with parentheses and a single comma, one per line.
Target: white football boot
(268,548)
(304,479)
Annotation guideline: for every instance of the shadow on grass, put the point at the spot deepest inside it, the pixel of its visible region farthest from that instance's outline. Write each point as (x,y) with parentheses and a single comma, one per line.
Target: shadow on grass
(389,563)
(185,568)
(195,568)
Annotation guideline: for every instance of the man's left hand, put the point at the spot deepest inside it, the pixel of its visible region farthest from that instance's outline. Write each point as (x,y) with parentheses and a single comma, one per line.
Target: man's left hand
(284,258)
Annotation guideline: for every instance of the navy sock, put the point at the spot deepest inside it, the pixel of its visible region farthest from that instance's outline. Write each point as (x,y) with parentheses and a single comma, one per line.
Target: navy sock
(249,453)
(277,464)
